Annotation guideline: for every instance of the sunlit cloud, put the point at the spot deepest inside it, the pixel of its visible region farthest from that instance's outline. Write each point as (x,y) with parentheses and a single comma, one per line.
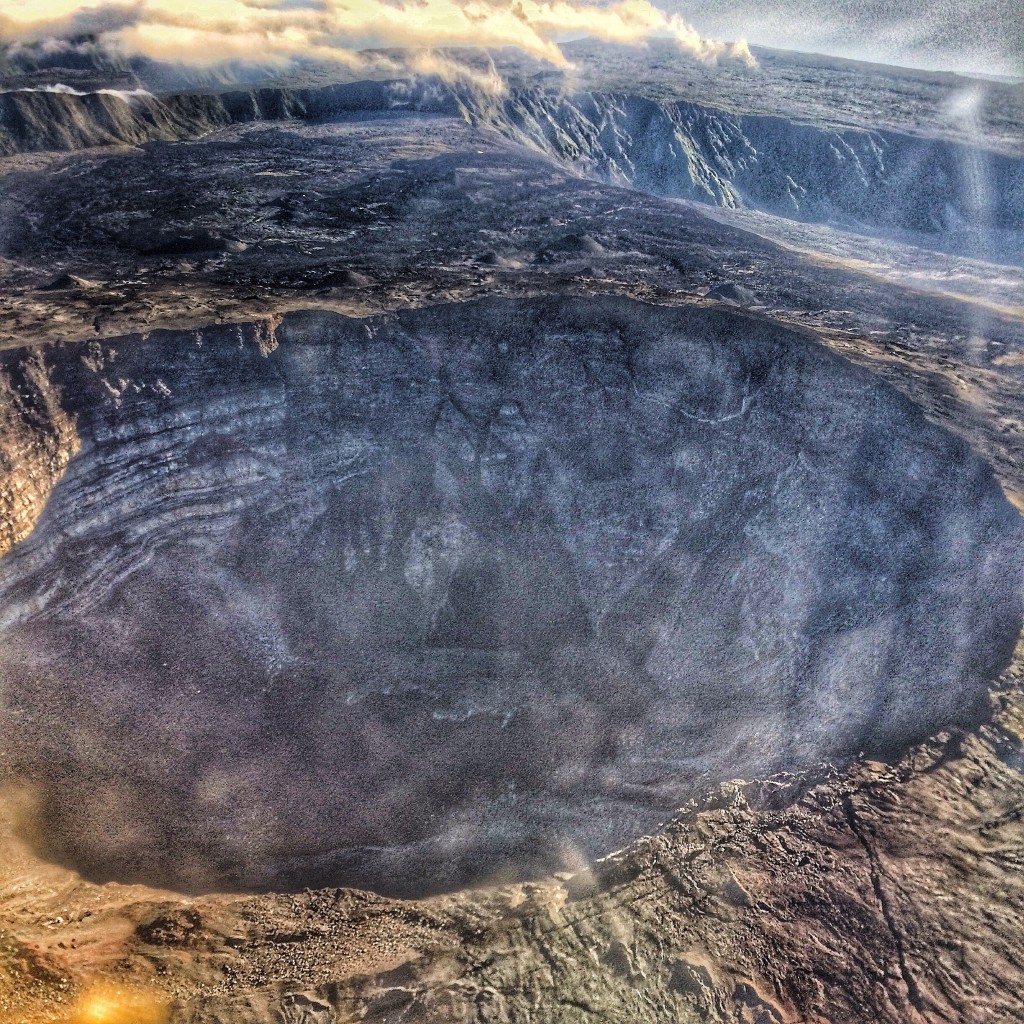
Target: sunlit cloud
(214,31)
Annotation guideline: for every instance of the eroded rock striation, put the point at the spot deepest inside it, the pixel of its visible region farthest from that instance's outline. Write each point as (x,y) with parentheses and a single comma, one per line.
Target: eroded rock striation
(37,440)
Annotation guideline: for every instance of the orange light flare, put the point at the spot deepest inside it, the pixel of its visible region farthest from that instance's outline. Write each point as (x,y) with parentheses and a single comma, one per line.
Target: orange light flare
(109,1003)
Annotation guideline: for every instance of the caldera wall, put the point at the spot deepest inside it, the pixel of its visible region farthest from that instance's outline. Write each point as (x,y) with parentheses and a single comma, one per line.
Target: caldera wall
(932,191)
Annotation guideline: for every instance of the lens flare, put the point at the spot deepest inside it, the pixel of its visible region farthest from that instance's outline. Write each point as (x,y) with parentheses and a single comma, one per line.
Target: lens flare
(107,1003)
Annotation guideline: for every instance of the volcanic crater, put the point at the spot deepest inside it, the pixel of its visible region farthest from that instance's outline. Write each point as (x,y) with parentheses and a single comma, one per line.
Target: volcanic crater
(478,590)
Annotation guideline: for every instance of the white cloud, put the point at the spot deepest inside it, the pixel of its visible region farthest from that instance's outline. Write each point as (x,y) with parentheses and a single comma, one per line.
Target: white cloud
(213,31)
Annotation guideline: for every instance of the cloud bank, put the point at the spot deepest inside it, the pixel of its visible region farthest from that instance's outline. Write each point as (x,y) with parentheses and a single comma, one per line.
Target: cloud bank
(216,31)
(67,90)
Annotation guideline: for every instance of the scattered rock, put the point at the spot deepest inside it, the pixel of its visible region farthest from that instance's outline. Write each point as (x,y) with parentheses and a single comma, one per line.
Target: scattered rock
(69,282)
(177,927)
(732,293)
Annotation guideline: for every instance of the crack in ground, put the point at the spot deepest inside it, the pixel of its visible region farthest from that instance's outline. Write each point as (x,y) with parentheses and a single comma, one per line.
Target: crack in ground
(914,995)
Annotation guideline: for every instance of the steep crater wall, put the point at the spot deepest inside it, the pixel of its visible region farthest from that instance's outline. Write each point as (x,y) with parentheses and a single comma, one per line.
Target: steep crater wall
(931,191)
(477,590)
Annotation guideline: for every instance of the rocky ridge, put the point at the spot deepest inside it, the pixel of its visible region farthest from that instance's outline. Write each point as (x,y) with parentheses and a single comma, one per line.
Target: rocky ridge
(959,197)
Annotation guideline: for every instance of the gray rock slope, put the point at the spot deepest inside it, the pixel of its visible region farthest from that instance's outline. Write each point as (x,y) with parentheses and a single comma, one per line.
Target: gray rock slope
(478,589)
(876,181)
(934,191)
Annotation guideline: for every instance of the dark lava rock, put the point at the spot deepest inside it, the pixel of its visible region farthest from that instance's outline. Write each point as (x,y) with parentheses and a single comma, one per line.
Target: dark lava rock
(733,293)
(66,283)
(176,927)
(568,247)
(581,243)
(345,278)
(147,241)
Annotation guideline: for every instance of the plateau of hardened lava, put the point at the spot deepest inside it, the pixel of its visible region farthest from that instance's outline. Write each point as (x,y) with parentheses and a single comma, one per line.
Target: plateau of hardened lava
(393,495)
(478,591)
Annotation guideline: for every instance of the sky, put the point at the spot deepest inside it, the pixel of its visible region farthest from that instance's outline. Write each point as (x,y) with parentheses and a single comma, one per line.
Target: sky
(984,36)
(958,35)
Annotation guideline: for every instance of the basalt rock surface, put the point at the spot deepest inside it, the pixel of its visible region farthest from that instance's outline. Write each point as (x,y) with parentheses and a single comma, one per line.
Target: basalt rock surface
(419,600)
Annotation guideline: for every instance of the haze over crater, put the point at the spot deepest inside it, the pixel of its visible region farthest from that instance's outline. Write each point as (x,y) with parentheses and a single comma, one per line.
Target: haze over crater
(477,589)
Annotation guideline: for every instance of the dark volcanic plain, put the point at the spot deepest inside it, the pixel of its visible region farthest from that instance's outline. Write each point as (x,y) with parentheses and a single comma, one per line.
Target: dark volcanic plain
(407,486)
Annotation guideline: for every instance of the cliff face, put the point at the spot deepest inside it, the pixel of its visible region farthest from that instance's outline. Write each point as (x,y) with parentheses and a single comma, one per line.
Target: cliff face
(523,574)
(38,120)
(879,182)
(33,120)
(37,440)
